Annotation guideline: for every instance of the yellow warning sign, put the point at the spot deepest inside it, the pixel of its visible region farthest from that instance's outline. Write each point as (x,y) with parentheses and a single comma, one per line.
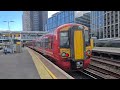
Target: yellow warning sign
(18,43)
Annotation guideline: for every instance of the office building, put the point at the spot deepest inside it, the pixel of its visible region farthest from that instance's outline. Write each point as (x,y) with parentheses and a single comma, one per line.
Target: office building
(63,17)
(34,20)
(84,19)
(105,24)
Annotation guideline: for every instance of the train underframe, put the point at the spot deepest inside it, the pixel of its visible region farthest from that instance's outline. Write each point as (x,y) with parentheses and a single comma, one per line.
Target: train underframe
(71,65)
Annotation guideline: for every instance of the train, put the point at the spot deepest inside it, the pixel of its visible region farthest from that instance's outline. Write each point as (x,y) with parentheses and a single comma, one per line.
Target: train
(69,45)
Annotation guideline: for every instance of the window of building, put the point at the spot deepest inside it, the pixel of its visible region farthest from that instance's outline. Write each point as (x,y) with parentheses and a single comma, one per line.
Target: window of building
(116,12)
(116,35)
(112,35)
(116,15)
(105,16)
(116,31)
(112,21)
(105,11)
(108,36)
(116,20)
(101,33)
(104,36)
(105,23)
(108,14)
(116,26)
(112,27)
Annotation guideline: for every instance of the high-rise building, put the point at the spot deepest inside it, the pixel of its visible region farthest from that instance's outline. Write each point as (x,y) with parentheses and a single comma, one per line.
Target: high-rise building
(63,17)
(26,21)
(84,19)
(105,24)
(34,20)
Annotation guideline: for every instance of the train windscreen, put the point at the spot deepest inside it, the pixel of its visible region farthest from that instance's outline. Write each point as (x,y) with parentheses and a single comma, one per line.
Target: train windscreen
(64,40)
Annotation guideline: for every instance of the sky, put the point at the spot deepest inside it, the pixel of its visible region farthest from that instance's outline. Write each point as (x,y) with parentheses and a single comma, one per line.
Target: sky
(50,13)
(15,16)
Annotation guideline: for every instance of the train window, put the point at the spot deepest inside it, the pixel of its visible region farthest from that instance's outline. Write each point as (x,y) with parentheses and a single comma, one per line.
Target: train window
(87,39)
(42,43)
(64,34)
(47,43)
(51,43)
(38,44)
(64,40)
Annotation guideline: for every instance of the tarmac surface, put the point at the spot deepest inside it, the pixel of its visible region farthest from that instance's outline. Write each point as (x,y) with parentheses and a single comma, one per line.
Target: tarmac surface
(17,66)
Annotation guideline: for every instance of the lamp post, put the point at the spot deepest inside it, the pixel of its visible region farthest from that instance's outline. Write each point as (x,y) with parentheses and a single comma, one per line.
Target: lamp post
(8,24)
(9,27)
(10,32)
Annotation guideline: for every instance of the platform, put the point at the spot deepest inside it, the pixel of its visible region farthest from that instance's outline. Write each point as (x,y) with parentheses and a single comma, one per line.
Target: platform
(1,52)
(17,66)
(29,65)
(107,49)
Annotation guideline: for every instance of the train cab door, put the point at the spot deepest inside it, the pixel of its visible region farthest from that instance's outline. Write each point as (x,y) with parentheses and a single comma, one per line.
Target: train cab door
(77,46)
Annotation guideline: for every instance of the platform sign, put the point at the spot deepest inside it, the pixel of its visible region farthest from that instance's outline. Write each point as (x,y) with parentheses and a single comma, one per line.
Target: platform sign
(18,43)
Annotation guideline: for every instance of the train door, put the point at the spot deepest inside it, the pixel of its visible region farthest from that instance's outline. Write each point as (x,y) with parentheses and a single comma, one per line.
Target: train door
(77,46)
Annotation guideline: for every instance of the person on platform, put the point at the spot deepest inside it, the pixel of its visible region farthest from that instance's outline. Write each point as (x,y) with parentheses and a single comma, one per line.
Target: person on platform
(5,50)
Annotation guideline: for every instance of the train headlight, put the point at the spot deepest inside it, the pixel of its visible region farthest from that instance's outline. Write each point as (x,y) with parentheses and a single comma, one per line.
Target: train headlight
(63,54)
(88,53)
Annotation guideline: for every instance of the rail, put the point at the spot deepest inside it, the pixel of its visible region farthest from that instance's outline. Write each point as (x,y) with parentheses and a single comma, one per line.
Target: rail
(105,67)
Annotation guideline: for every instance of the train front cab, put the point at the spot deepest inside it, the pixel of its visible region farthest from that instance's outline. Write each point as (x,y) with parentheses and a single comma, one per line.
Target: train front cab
(79,39)
(74,46)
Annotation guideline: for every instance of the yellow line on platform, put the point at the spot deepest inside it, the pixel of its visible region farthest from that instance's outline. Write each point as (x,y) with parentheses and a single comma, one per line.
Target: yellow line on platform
(43,71)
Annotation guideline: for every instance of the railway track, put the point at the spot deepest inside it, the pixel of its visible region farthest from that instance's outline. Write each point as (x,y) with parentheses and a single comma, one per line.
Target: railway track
(80,75)
(104,68)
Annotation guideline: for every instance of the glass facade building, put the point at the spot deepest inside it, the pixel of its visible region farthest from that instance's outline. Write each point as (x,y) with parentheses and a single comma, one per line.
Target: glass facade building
(34,20)
(105,24)
(85,19)
(58,19)
(97,23)
(62,17)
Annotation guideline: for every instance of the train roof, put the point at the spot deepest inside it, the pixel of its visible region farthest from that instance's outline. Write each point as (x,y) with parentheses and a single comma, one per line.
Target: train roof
(46,35)
(69,24)
(58,28)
